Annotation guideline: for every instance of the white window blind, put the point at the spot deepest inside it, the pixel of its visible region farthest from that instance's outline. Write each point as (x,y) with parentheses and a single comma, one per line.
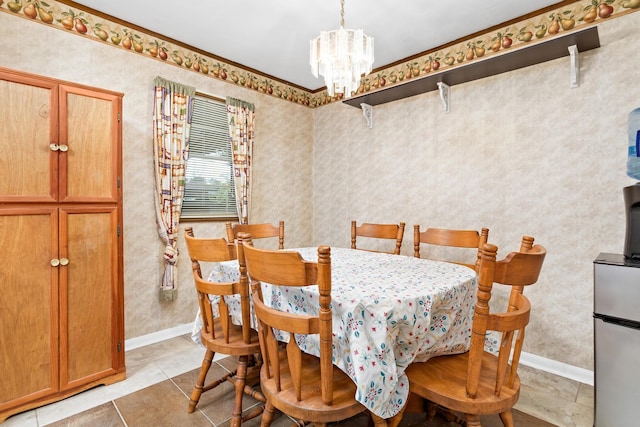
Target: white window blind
(209,188)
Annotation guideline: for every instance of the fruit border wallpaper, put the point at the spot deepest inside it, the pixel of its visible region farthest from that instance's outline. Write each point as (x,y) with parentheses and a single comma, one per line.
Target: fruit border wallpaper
(565,19)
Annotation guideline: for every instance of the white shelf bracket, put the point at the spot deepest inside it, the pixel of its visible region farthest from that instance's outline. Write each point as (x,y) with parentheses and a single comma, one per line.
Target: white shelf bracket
(445,91)
(367,112)
(575,66)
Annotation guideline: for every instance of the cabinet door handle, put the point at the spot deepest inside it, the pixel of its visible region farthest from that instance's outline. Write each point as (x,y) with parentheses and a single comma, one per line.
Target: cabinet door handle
(55,262)
(54,147)
(64,261)
(64,148)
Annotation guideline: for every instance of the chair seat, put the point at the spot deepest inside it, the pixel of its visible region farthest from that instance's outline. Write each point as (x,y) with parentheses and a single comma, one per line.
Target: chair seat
(236,345)
(446,377)
(311,408)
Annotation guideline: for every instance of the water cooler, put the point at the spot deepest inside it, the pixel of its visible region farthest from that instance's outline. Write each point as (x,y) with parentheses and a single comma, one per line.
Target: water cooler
(632,211)
(632,192)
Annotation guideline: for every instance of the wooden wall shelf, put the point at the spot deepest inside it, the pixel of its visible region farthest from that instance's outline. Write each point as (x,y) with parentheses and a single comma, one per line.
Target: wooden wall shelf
(523,57)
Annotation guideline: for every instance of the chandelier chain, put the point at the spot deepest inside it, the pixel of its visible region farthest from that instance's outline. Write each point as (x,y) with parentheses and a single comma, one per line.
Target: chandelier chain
(342,13)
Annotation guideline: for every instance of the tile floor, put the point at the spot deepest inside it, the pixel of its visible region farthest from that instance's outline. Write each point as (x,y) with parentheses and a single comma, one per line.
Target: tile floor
(160,378)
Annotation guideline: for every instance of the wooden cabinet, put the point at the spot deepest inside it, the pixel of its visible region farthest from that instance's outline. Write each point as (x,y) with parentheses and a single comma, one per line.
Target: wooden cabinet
(61,282)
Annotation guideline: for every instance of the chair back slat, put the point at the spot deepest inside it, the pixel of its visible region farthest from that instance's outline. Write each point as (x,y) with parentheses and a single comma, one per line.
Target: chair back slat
(378,231)
(455,238)
(209,250)
(519,268)
(511,320)
(257,231)
(443,238)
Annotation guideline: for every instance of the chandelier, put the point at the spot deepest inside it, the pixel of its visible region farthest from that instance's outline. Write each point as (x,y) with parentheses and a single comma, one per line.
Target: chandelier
(341,56)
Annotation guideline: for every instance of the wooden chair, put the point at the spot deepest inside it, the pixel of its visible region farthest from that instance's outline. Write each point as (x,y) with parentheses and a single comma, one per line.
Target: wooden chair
(493,338)
(451,238)
(257,231)
(219,334)
(477,382)
(304,387)
(378,231)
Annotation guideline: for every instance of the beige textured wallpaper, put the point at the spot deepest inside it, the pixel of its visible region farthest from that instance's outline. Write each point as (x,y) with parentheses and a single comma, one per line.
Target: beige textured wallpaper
(519,153)
(282,168)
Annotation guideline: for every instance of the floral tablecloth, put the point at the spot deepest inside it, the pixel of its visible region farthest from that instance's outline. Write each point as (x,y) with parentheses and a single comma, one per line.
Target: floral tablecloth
(388,311)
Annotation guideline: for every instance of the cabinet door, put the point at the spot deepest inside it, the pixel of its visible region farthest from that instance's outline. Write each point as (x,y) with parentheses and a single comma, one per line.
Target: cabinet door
(60,142)
(29,112)
(90,145)
(89,293)
(28,304)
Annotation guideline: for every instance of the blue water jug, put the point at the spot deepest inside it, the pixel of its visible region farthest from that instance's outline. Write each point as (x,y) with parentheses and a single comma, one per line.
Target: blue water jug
(633,159)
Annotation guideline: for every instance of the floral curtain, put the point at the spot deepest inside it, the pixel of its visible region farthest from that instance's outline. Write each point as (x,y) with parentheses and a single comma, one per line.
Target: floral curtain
(241,117)
(173,106)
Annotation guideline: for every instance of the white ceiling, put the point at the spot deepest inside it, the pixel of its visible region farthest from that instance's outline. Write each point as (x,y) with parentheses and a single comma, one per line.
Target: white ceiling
(272,36)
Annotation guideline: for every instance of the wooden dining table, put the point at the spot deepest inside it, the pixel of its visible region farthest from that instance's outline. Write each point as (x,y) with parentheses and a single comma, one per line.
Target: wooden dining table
(388,311)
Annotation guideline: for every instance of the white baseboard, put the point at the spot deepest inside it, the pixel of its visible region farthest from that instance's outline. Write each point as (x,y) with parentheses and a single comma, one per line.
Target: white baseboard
(156,337)
(582,375)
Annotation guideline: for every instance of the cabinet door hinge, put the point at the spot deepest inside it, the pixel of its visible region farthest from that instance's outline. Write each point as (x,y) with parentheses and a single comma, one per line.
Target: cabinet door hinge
(119,346)
(118,117)
(118,231)
(118,182)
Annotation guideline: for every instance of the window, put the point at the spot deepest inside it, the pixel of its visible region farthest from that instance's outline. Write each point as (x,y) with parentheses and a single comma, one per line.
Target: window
(209,188)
